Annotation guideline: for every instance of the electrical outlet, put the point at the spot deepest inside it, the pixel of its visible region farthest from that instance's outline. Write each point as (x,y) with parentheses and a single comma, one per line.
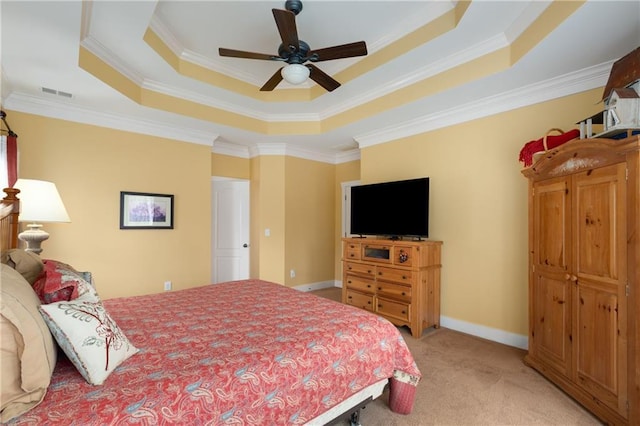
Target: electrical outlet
(167,285)
(292,273)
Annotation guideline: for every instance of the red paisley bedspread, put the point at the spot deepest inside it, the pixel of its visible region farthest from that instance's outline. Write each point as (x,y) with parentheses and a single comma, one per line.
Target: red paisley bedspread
(244,352)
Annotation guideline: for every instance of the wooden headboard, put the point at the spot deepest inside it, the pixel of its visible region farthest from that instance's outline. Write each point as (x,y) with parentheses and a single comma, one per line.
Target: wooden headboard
(9,210)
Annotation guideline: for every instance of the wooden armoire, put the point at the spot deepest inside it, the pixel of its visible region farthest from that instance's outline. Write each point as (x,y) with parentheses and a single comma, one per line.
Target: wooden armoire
(584,274)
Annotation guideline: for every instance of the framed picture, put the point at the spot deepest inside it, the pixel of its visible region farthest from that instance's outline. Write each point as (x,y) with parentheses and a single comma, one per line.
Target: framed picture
(140,210)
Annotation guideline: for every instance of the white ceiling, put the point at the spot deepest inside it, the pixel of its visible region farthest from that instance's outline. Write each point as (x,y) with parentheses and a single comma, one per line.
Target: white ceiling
(41,43)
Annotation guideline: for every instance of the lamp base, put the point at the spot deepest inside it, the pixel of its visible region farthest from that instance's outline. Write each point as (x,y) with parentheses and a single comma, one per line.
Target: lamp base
(34,236)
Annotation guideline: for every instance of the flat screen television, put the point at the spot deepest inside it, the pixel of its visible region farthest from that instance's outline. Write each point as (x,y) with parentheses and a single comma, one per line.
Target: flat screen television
(391,209)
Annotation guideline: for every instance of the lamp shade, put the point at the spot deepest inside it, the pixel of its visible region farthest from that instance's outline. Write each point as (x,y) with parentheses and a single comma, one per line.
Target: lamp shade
(40,202)
(295,73)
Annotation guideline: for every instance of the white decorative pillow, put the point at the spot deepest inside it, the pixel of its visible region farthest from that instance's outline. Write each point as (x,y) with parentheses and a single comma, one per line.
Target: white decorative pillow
(88,335)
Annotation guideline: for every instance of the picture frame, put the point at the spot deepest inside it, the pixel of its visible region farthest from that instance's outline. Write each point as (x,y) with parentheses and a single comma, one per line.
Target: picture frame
(143,210)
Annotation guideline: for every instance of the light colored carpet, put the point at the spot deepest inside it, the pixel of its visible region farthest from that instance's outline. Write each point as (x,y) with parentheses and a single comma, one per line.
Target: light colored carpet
(471,381)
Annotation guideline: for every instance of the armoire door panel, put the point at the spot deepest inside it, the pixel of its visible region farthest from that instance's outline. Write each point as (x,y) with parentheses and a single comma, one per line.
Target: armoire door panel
(600,265)
(552,316)
(551,226)
(598,195)
(596,339)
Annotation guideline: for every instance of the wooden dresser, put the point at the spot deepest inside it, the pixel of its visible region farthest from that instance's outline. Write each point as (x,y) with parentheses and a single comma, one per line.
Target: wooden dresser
(399,280)
(584,274)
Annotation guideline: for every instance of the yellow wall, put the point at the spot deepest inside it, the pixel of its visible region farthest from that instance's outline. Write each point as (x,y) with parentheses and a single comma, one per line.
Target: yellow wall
(309,221)
(90,166)
(479,203)
(295,199)
(270,204)
(229,166)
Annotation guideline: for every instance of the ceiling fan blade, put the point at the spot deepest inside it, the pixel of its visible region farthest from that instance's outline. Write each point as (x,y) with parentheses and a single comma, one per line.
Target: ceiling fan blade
(286,22)
(350,50)
(246,55)
(273,81)
(322,78)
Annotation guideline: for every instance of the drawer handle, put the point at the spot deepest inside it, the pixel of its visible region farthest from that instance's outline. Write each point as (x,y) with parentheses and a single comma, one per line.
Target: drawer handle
(380,288)
(403,313)
(368,271)
(404,277)
(351,255)
(403,293)
(349,281)
(379,305)
(368,303)
(368,285)
(379,273)
(349,267)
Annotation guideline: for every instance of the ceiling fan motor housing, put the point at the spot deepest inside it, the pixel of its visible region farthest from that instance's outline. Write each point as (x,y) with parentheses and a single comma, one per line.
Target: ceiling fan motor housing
(294,56)
(294,6)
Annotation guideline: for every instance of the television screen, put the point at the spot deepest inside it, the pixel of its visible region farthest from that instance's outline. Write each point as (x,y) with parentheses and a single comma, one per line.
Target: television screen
(391,209)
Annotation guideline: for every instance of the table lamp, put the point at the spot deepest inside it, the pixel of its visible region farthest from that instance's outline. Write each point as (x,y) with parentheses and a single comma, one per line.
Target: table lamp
(39,202)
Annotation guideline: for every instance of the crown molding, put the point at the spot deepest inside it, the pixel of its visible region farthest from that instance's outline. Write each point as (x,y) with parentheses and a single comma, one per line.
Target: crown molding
(59,109)
(231,149)
(263,149)
(437,67)
(568,84)
(101,51)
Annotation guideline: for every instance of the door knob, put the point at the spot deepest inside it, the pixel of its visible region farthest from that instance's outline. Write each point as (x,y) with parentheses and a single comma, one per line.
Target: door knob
(245,245)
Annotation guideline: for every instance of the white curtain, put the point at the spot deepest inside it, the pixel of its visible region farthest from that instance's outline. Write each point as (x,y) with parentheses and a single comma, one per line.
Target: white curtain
(4,164)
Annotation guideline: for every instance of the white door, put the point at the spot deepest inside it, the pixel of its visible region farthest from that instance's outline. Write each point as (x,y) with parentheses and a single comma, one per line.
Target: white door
(346,206)
(229,230)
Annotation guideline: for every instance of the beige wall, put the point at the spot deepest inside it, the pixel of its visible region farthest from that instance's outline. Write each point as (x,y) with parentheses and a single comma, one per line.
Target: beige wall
(295,199)
(229,166)
(309,220)
(90,166)
(479,203)
(270,214)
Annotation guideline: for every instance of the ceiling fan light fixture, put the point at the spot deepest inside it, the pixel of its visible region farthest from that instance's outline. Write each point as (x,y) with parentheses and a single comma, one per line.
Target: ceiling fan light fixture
(295,73)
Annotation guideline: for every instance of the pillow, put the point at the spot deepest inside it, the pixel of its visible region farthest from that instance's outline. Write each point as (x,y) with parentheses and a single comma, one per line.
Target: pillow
(27,263)
(89,336)
(27,350)
(60,282)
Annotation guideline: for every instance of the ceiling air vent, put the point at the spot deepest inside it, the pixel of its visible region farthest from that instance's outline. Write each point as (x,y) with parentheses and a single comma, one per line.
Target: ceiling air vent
(57,92)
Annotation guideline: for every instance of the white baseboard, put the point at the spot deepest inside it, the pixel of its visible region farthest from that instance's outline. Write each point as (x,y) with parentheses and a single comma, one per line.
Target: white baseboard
(317,286)
(512,339)
(494,334)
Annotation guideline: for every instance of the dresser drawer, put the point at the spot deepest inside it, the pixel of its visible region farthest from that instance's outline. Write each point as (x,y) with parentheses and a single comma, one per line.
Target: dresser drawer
(359,300)
(403,255)
(361,284)
(394,290)
(393,309)
(397,275)
(359,268)
(351,251)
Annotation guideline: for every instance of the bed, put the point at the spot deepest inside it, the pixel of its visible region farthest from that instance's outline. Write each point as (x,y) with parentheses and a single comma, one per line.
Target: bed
(242,352)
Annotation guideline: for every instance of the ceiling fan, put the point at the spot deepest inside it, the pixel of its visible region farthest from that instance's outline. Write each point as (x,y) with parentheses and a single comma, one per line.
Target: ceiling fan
(296,53)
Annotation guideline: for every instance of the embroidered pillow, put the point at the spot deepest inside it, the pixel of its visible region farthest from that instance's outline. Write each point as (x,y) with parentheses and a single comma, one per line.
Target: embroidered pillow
(88,336)
(61,282)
